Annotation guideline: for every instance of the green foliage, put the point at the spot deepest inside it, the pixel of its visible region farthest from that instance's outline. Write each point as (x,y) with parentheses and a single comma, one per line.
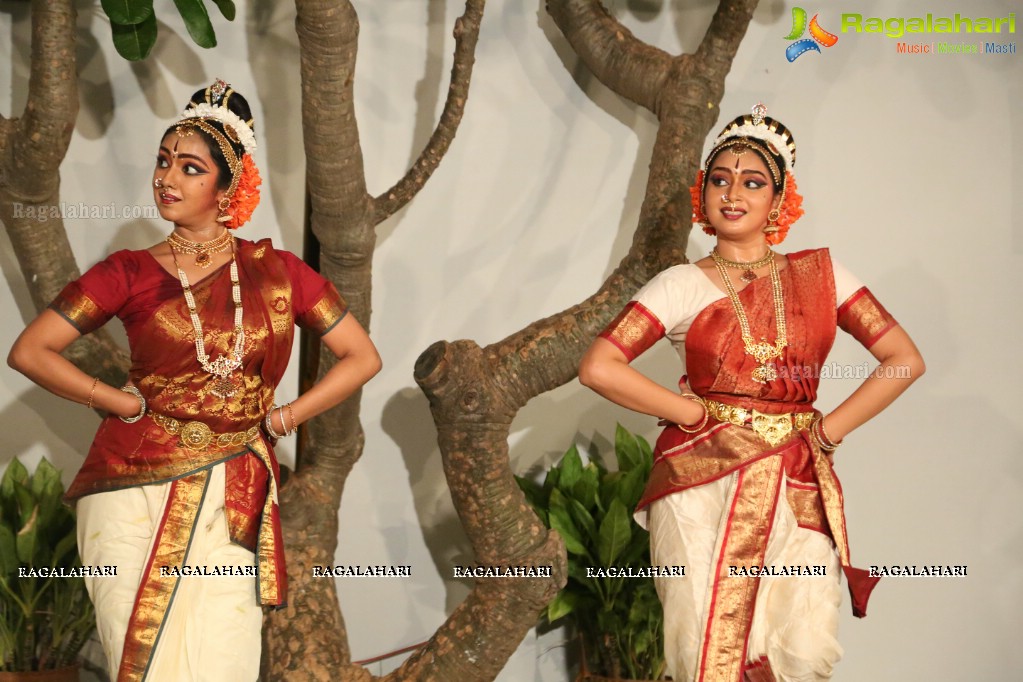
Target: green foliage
(619,619)
(43,621)
(134,28)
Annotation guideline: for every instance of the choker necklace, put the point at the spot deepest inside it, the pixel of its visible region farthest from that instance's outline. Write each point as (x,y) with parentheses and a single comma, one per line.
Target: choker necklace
(763,352)
(747,268)
(201,250)
(223,386)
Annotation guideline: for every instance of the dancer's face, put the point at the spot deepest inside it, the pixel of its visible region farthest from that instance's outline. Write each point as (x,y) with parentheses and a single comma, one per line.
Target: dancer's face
(746,182)
(188,194)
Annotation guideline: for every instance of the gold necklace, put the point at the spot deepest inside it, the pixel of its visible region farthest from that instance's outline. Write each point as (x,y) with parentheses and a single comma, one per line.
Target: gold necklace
(747,275)
(763,352)
(224,386)
(201,250)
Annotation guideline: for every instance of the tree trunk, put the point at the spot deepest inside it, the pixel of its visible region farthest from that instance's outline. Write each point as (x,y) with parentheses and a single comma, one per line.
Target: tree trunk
(32,148)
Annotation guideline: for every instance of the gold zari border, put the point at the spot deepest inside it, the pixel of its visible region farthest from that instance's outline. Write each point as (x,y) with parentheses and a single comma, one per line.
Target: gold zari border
(634,330)
(743,541)
(863,316)
(156,592)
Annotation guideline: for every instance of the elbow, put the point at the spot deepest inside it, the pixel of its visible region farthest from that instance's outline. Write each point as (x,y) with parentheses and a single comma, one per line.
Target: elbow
(374,365)
(18,358)
(917,366)
(591,374)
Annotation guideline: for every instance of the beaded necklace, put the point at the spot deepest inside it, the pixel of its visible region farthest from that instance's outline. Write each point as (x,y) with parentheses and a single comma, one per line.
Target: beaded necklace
(224,386)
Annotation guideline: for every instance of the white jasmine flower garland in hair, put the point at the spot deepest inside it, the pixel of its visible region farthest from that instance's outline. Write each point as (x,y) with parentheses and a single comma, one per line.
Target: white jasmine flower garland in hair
(227,117)
(759,132)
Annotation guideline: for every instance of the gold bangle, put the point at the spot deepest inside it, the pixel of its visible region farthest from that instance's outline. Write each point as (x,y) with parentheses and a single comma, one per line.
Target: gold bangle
(92,393)
(706,415)
(815,433)
(826,437)
(291,413)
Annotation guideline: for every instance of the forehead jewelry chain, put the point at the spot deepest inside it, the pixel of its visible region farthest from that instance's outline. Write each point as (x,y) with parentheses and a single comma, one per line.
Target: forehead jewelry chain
(747,268)
(201,250)
(762,352)
(224,386)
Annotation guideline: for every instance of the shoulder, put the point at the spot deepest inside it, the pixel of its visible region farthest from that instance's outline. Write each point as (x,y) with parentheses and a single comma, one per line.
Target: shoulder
(124,261)
(682,274)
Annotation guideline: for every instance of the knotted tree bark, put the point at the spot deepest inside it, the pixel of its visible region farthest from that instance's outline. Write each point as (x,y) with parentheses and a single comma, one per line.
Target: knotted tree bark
(308,639)
(475,391)
(32,148)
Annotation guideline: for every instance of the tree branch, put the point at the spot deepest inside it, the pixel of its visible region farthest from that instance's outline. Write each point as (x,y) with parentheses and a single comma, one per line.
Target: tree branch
(467,31)
(625,64)
(725,33)
(43,133)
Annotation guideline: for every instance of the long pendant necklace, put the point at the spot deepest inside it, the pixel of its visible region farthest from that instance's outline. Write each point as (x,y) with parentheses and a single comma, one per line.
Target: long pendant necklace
(224,386)
(762,352)
(747,268)
(201,250)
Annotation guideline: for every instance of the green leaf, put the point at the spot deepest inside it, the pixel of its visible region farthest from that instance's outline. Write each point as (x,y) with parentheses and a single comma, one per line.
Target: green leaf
(16,472)
(563,604)
(582,518)
(638,551)
(197,21)
(64,551)
(646,452)
(615,534)
(26,502)
(577,574)
(127,12)
(585,489)
(226,8)
(26,539)
(631,487)
(571,470)
(135,41)
(550,482)
(8,560)
(609,488)
(561,521)
(626,450)
(45,476)
(533,491)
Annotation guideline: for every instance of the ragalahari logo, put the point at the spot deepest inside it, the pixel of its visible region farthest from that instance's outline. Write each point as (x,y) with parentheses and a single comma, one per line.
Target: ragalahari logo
(818,35)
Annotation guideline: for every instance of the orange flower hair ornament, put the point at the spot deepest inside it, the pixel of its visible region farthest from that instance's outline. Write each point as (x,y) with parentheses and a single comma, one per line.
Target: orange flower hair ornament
(246,195)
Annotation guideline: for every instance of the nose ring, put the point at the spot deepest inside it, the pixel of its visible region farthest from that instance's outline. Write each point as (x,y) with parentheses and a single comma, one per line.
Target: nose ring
(158,182)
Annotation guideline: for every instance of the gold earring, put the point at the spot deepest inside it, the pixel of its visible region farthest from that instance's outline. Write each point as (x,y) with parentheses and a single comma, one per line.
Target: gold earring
(223,205)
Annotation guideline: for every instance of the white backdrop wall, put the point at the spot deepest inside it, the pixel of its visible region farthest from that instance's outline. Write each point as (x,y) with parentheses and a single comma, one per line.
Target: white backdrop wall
(909,165)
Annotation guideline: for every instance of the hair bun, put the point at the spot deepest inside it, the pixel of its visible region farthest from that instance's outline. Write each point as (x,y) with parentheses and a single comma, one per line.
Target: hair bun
(220,93)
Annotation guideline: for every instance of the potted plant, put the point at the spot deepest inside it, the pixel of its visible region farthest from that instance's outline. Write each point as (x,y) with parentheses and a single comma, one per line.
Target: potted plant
(619,620)
(45,619)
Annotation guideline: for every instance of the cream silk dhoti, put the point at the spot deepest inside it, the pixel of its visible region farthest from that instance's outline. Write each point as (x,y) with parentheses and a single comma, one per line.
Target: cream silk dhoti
(795,619)
(211,630)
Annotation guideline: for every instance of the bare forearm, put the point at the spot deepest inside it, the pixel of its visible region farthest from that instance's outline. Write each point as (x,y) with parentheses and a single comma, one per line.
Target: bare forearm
(886,383)
(342,380)
(59,376)
(621,384)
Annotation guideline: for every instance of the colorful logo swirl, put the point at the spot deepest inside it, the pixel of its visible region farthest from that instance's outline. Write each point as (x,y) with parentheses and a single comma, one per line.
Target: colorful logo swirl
(818,35)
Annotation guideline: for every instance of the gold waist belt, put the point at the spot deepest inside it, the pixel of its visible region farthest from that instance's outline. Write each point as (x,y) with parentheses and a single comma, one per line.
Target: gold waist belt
(773,428)
(199,436)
